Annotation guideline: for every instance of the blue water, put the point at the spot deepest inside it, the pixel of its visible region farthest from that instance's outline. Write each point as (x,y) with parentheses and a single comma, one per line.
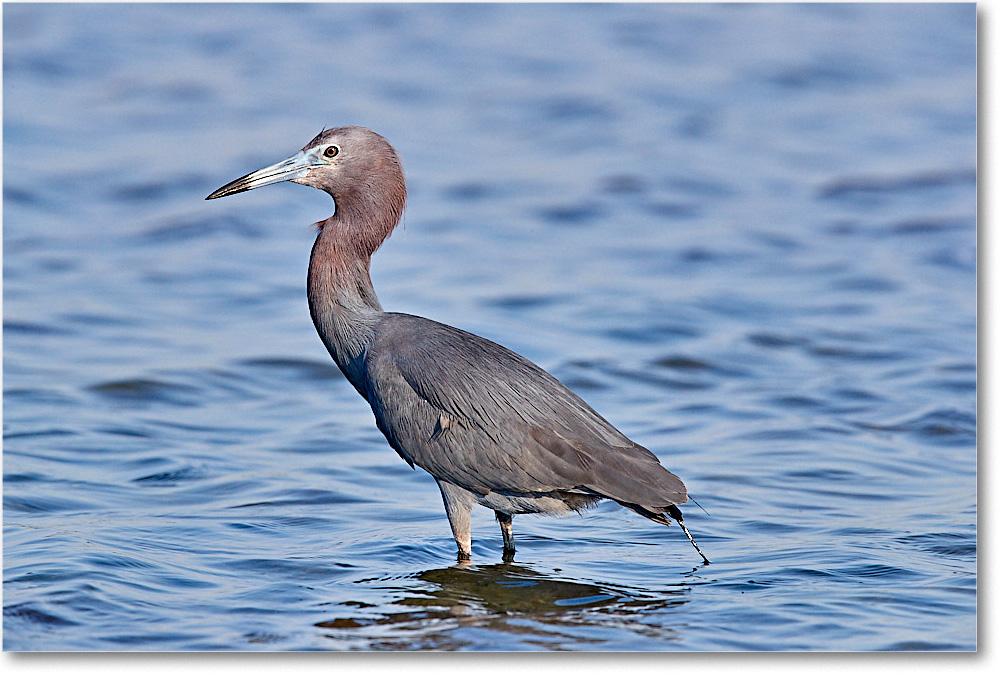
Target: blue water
(745,234)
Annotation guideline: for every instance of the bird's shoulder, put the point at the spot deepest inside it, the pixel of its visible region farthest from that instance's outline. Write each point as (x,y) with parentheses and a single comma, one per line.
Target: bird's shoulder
(473,378)
(545,435)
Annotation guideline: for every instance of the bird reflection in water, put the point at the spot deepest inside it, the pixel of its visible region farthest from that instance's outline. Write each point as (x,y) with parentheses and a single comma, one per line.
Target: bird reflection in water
(503,597)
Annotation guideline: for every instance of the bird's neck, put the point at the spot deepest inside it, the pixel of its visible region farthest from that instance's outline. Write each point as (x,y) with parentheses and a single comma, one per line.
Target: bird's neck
(342,301)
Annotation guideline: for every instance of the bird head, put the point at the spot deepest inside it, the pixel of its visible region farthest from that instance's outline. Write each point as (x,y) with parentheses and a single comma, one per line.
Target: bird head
(349,163)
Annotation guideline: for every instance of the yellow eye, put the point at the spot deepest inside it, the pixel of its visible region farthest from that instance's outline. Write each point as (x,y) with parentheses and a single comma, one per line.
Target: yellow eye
(331,152)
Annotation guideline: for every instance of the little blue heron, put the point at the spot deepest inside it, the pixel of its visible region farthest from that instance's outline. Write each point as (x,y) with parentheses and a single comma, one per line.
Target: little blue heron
(490,426)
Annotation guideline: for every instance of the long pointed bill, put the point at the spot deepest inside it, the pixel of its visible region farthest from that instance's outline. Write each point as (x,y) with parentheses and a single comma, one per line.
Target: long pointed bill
(294,167)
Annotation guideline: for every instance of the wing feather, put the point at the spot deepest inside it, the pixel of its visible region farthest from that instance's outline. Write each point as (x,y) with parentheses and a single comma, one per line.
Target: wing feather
(517,428)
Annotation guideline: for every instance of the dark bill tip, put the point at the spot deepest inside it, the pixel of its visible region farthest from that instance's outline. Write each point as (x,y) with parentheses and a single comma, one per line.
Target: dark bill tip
(235,187)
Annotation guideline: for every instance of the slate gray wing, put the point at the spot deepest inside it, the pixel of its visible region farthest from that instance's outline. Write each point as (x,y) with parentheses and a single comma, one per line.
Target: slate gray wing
(474,413)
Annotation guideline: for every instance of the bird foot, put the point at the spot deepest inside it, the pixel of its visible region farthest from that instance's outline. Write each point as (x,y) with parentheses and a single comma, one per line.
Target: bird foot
(691,539)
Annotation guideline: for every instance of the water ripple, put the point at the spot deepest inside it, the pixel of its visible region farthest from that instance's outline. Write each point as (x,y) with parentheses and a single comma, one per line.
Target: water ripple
(710,244)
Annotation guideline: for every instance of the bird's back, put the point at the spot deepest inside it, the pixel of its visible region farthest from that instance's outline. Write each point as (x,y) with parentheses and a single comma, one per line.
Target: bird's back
(478,415)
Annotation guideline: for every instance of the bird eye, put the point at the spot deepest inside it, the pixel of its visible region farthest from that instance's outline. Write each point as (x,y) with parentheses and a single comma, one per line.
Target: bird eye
(331,151)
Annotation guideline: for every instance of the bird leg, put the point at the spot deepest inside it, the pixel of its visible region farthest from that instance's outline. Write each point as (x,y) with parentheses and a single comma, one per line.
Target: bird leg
(458,506)
(675,513)
(506,521)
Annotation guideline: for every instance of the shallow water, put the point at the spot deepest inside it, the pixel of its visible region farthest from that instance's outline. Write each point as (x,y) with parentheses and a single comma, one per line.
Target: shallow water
(745,234)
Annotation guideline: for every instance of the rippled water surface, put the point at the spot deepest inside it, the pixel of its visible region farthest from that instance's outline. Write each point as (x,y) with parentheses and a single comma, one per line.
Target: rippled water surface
(745,234)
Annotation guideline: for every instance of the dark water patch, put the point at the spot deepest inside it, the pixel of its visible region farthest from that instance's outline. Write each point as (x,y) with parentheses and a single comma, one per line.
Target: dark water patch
(574,109)
(398,91)
(223,434)
(470,192)
(699,254)
(21,195)
(660,380)
(770,527)
(943,543)
(905,605)
(580,383)
(923,226)
(808,573)
(524,302)
(875,570)
(178,91)
(306,497)
(42,573)
(92,320)
(117,561)
(183,580)
(839,430)
(828,74)
(843,310)
(153,638)
(701,188)
(860,532)
(127,432)
(824,474)
(38,397)
(865,285)
(672,210)
(180,230)
(584,374)
(845,228)
(853,495)
(943,425)
(740,307)
(282,524)
(57,265)
(258,638)
(40,67)
(954,259)
(295,369)
(39,504)
(213,492)
(782,242)
(27,612)
(775,341)
(575,215)
(24,478)
(955,550)
(855,395)
(698,125)
(170,478)
(861,355)
(682,363)
(144,391)
(924,646)
(653,332)
(958,368)
(287,570)
(848,188)
(957,386)
(795,402)
(695,367)
(157,190)
(33,329)
(778,435)
(623,184)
